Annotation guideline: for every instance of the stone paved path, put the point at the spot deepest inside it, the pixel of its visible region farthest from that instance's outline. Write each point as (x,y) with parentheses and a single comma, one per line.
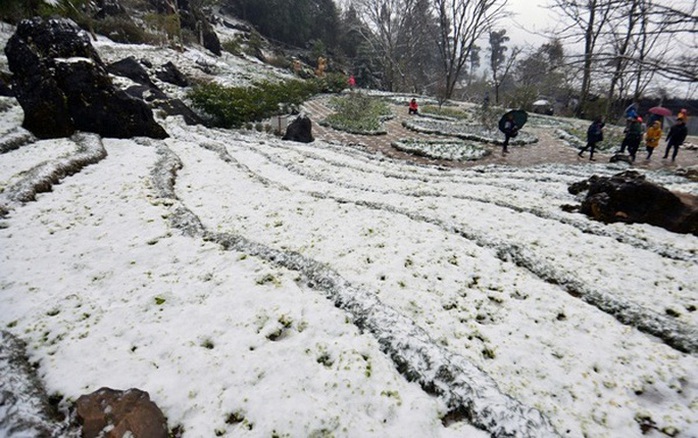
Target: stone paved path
(547,150)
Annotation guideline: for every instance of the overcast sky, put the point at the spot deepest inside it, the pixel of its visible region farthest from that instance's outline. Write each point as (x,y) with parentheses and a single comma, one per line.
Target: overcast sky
(531,18)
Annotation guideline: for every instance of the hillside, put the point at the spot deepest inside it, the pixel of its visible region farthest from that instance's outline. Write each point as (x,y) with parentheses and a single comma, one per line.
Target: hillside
(258,287)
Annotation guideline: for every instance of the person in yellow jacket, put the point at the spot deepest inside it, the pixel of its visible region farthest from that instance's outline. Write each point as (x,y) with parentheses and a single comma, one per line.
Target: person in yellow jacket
(652,137)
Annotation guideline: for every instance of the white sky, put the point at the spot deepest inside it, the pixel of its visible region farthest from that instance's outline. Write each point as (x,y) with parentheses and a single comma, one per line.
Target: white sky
(531,19)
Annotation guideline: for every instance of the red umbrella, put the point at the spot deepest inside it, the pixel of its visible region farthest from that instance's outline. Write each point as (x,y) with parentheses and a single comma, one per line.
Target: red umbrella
(660,111)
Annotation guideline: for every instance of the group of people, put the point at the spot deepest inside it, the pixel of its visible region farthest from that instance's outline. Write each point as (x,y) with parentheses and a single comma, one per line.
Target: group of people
(634,133)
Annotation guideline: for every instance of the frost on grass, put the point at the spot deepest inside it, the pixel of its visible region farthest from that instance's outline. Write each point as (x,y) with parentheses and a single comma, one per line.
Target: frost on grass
(25,410)
(42,177)
(442,149)
(465,131)
(463,387)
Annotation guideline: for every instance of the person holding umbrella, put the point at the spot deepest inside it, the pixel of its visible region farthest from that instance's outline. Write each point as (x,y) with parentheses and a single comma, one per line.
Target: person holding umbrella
(594,135)
(510,130)
(510,124)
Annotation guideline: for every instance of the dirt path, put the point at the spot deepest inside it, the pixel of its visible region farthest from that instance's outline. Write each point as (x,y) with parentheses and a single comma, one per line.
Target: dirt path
(547,150)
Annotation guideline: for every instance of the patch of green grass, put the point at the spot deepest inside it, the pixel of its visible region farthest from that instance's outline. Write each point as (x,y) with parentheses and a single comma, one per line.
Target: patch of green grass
(445,112)
(358,113)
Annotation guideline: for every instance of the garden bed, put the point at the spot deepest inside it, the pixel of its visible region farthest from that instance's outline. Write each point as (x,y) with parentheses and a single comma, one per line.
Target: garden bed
(455,150)
(466,131)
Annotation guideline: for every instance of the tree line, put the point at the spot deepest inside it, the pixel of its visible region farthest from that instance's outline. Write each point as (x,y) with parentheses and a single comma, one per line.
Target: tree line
(606,53)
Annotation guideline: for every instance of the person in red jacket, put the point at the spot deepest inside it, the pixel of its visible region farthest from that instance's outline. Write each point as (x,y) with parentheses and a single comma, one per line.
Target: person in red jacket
(413,107)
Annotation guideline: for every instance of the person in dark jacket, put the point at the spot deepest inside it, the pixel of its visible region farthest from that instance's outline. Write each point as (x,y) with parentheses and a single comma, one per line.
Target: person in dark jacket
(594,135)
(677,134)
(633,137)
(510,130)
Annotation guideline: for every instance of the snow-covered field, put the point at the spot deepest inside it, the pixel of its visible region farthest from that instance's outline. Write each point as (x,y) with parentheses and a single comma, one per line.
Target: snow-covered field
(256,287)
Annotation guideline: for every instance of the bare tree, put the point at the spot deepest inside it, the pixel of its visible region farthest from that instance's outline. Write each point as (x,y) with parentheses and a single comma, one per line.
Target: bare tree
(461,24)
(387,20)
(623,25)
(587,20)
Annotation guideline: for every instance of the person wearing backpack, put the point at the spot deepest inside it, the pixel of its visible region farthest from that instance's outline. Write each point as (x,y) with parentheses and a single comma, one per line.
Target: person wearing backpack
(594,135)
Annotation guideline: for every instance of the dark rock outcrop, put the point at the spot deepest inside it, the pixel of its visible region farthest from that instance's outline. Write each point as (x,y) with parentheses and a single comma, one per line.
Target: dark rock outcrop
(109,8)
(132,69)
(300,130)
(123,412)
(63,86)
(629,197)
(621,157)
(149,92)
(170,73)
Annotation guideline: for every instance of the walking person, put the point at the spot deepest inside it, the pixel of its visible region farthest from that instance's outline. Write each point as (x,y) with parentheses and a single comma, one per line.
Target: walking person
(594,135)
(652,137)
(510,130)
(677,134)
(633,137)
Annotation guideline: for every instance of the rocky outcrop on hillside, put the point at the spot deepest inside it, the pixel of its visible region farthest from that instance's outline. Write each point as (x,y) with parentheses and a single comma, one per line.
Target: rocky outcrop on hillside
(193,19)
(63,85)
(629,197)
(146,90)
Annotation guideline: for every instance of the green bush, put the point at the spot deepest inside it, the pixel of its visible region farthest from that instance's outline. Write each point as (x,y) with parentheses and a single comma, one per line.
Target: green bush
(358,113)
(232,46)
(233,107)
(333,83)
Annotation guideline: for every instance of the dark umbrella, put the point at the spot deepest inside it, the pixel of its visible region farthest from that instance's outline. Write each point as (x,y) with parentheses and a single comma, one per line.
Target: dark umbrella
(660,111)
(519,116)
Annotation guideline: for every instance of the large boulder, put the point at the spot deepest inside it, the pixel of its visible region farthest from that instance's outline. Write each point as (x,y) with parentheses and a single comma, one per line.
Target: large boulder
(629,197)
(170,73)
(109,413)
(300,130)
(63,85)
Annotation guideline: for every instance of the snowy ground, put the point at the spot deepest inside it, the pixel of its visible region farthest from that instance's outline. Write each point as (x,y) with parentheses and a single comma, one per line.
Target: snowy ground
(256,287)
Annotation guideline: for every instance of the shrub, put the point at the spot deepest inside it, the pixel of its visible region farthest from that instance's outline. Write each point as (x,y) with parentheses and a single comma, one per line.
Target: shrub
(232,107)
(358,113)
(122,30)
(233,46)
